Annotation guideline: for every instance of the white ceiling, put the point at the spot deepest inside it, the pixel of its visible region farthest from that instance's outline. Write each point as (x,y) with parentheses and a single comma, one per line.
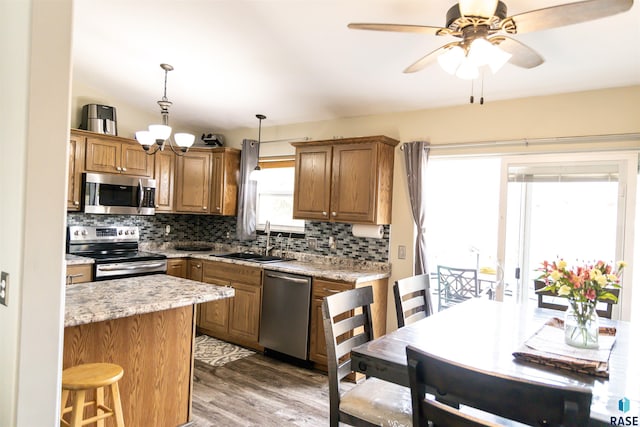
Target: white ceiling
(296,60)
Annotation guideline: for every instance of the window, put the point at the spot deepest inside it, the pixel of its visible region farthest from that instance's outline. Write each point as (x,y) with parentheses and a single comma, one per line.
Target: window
(275,196)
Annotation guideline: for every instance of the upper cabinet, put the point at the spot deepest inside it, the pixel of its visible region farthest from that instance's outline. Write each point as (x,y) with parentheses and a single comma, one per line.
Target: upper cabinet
(165,166)
(112,154)
(207,181)
(347,180)
(76,146)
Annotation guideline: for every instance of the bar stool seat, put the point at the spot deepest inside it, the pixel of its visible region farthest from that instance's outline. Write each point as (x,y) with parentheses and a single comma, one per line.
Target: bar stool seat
(77,380)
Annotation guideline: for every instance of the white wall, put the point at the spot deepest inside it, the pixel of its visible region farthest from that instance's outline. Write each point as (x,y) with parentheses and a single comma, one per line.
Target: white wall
(36,45)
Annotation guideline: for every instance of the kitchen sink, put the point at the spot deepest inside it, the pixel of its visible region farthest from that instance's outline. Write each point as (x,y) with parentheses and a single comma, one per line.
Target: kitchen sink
(268,259)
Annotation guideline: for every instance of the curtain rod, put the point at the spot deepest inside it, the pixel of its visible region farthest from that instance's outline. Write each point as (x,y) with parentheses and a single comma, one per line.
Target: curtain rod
(541,141)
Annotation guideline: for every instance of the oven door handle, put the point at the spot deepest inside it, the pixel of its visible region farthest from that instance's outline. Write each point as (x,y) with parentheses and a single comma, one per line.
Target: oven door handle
(130,267)
(141,197)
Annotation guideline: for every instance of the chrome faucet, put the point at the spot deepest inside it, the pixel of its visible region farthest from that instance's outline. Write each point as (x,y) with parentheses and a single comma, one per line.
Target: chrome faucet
(267,230)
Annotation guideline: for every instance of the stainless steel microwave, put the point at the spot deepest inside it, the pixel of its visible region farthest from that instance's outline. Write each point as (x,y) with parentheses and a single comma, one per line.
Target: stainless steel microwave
(118,194)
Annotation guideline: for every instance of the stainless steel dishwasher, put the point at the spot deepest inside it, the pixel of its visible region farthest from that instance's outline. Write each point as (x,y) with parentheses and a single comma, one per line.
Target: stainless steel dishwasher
(284,322)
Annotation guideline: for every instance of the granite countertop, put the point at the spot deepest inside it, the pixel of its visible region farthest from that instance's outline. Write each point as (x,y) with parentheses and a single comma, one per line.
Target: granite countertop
(77,260)
(112,299)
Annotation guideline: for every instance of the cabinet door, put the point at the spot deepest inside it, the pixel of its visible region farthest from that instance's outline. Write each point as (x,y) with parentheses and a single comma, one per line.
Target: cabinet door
(75,151)
(135,161)
(79,273)
(217,183)
(354,182)
(177,267)
(312,188)
(194,270)
(244,313)
(103,155)
(165,163)
(193,178)
(214,315)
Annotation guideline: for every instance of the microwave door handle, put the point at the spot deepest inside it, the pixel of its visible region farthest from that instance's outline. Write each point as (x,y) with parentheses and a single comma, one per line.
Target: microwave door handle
(141,197)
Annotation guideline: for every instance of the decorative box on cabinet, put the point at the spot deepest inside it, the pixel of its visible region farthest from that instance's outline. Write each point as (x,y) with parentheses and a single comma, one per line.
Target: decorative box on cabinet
(347,180)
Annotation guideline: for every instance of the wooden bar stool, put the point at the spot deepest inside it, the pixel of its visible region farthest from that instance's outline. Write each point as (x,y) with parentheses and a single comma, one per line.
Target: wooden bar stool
(77,380)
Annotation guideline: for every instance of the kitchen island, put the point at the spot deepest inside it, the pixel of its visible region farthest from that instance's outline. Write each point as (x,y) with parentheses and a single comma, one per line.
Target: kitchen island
(145,324)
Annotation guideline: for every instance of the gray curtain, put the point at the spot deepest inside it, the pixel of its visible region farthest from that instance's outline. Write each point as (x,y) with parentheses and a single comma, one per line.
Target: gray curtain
(247,191)
(416,155)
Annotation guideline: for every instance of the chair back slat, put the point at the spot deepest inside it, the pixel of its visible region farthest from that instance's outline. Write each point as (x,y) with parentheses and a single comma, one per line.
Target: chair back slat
(345,325)
(456,285)
(413,299)
(345,346)
(524,401)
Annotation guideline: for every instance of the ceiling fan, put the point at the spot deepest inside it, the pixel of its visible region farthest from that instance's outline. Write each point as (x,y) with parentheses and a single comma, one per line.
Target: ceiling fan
(484,28)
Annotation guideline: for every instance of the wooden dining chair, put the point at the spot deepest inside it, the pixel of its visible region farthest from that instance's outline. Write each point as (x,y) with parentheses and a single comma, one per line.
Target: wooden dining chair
(413,299)
(456,285)
(371,402)
(547,299)
(466,396)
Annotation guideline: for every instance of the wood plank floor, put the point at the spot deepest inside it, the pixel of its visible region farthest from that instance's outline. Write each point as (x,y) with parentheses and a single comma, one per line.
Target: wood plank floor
(259,391)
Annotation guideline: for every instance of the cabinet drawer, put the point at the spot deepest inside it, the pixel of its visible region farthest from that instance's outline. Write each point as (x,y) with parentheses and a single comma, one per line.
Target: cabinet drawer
(232,272)
(80,273)
(322,288)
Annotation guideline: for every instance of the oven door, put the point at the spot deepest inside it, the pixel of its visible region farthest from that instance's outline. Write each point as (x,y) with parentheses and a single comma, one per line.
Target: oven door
(129,269)
(117,194)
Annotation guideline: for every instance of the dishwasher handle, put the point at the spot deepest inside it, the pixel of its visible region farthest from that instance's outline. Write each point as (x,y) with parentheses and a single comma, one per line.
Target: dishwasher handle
(286,277)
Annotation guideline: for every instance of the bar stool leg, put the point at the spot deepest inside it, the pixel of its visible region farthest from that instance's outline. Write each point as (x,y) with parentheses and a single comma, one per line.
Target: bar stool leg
(100,405)
(78,408)
(63,405)
(117,405)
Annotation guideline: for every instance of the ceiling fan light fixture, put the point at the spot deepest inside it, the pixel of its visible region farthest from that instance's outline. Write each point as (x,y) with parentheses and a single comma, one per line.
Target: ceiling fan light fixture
(479,8)
(467,70)
(497,58)
(451,58)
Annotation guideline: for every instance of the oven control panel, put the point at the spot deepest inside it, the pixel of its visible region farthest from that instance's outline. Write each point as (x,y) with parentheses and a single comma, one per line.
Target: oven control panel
(79,233)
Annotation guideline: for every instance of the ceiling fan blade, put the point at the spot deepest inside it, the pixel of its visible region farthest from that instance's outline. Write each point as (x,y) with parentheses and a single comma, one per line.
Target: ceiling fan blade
(397,28)
(428,59)
(521,54)
(567,14)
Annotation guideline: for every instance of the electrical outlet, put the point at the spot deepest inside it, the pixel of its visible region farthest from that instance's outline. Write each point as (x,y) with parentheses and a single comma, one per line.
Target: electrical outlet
(4,284)
(332,243)
(402,251)
(313,243)
(167,229)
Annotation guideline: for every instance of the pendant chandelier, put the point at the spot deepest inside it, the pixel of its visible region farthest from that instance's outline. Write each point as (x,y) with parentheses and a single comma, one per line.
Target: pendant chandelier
(158,134)
(255,173)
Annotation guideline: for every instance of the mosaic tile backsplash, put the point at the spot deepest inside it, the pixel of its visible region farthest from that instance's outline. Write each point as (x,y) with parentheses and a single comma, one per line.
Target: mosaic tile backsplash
(215,229)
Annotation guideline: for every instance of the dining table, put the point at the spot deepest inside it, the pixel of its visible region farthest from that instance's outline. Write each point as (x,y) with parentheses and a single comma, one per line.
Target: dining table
(485,334)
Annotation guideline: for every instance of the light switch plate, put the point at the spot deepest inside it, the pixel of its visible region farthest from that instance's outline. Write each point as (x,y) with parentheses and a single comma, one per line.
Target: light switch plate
(402,252)
(4,285)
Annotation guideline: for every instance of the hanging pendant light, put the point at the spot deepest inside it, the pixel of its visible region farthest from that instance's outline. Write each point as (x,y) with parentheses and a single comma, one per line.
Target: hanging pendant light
(255,173)
(159,134)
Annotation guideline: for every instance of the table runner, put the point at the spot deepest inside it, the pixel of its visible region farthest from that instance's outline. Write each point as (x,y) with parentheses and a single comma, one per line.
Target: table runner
(547,347)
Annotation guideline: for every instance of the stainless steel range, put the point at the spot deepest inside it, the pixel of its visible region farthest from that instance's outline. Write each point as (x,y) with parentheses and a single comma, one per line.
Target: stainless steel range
(114,250)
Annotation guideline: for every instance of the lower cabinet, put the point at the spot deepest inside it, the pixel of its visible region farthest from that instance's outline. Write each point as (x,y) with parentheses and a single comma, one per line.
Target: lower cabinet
(321,288)
(234,319)
(177,267)
(79,273)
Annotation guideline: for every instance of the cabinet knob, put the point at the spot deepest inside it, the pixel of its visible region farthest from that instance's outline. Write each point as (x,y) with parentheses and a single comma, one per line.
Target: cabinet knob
(217,208)
(124,169)
(324,213)
(76,203)
(204,208)
(198,265)
(118,168)
(334,214)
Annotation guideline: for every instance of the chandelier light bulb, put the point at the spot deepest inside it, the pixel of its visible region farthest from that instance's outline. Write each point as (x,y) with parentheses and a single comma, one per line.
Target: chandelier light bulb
(145,138)
(160,132)
(184,140)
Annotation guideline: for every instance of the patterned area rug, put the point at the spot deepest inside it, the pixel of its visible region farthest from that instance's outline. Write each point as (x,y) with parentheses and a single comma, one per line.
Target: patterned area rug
(217,353)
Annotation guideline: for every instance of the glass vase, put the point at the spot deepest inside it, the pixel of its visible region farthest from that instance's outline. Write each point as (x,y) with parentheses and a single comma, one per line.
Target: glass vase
(581,325)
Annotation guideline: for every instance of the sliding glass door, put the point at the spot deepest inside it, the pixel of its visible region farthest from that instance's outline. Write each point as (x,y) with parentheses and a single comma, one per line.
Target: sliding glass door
(573,207)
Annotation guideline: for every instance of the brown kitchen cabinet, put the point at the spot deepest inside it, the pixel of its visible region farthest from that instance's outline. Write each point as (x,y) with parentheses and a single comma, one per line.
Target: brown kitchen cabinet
(194,269)
(113,154)
(206,181)
(236,319)
(76,148)
(347,180)
(321,288)
(177,267)
(79,273)
(164,174)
